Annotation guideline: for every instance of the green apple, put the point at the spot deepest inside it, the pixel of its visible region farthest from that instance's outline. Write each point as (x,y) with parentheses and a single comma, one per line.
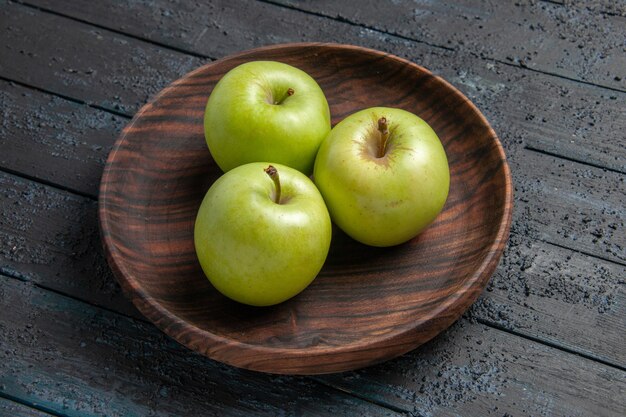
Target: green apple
(262,233)
(383,174)
(266,111)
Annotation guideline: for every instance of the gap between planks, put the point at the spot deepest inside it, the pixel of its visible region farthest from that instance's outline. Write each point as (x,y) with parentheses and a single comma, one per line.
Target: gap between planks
(601,258)
(190,53)
(119,32)
(8,275)
(320,15)
(130,116)
(48,183)
(385,404)
(408,38)
(578,161)
(379,402)
(30,404)
(550,344)
(12,274)
(68,98)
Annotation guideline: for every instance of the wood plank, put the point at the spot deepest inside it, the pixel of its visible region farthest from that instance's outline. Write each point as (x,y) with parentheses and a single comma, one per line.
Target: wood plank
(13,409)
(474,370)
(50,237)
(547,113)
(468,371)
(556,116)
(569,204)
(612,7)
(486,85)
(491,83)
(55,140)
(103,69)
(72,141)
(573,43)
(558,296)
(214,29)
(80,360)
(545,259)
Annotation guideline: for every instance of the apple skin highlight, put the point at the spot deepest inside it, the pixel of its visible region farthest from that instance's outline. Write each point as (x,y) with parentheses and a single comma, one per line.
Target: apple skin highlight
(266,111)
(256,250)
(382,195)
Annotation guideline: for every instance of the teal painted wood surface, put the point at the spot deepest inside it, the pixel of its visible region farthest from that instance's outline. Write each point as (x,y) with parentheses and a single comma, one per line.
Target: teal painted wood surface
(16,409)
(561,281)
(79,360)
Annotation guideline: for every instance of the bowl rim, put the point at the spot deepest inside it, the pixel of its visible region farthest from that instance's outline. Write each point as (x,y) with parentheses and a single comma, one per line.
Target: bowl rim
(167,321)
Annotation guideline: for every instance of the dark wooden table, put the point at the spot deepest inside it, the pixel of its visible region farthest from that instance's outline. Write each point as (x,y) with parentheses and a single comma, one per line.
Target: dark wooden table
(548,336)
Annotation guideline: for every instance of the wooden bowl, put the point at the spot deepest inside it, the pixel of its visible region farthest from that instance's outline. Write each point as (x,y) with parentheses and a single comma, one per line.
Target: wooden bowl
(368,304)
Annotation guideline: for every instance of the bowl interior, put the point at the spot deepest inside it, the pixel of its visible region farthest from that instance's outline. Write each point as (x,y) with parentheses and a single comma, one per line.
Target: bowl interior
(161,168)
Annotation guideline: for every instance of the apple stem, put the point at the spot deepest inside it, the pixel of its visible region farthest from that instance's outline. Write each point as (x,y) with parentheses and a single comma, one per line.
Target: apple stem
(290,92)
(383,128)
(273,174)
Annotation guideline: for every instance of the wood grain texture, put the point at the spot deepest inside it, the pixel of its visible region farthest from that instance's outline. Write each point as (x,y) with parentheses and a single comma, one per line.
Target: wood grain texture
(13,409)
(55,140)
(367,305)
(574,42)
(77,360)
(546,114)
(551,38)
(571,205)
(569,124)
(470,371)
(553,295)
(577,121)
(78,60)
(584,123)
(50,238)
(476,371)
(611,7)
(560,296)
